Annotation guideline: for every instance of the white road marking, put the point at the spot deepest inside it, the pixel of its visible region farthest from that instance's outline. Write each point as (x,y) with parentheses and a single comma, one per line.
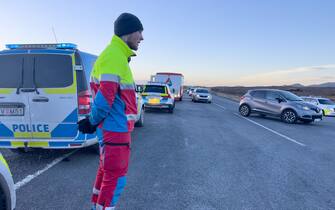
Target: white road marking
(220,106)
(29,178)
(273,131)
(269,129)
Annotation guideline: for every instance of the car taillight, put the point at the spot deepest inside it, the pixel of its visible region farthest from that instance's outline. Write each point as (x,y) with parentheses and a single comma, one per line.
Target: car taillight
(166,96)
(84,104)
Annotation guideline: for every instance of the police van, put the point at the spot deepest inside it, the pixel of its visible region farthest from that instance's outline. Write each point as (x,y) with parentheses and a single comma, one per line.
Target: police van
(44,91)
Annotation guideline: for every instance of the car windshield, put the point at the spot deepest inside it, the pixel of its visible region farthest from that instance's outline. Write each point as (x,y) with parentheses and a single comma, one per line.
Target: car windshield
(326,102)
(290,96)
(201,91)
(154,89)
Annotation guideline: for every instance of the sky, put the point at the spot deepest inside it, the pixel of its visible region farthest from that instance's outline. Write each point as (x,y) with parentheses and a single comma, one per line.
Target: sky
(212,43)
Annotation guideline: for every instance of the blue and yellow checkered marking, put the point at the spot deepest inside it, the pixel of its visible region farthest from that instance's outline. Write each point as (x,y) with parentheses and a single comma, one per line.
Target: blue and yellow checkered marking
(67,129)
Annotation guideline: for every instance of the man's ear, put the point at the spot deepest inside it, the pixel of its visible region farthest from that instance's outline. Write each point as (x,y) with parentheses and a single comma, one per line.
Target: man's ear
(125,38)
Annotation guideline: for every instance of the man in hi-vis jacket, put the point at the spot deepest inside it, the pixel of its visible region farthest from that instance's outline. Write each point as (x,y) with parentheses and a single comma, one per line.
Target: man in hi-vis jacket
(114,110)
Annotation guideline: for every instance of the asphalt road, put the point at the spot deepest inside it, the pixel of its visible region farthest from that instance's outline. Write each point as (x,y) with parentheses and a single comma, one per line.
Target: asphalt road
(203,156)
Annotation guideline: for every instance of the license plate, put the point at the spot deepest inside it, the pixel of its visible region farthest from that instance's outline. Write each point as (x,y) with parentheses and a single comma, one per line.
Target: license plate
(11,111)
(154,101)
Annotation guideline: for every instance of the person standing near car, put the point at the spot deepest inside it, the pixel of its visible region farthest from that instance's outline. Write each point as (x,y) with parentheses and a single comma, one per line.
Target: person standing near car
(114,110)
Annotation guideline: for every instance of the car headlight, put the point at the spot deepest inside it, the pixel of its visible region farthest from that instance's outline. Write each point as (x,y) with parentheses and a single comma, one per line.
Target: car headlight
(304,107)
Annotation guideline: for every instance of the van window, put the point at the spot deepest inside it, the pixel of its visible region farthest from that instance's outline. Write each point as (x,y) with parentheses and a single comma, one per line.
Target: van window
(10,70)
(80,74)
(53,71)
(49,71)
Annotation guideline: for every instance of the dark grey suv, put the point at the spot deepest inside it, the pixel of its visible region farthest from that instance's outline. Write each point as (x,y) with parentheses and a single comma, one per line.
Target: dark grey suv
(286,105)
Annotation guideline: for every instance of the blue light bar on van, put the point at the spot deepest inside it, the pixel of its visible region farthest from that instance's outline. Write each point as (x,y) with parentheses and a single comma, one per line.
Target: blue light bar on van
(41,46)
(67,46)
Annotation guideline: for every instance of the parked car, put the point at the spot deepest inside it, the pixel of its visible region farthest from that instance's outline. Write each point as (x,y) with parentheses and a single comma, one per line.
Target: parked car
(158,96)
(7,190)
(202,95)
(325,104)
(286,105)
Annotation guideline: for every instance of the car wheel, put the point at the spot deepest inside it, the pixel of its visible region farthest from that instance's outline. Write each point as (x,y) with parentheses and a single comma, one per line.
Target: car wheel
(289,116)
(140,122)
(209,102)
(244,110)
(171,109)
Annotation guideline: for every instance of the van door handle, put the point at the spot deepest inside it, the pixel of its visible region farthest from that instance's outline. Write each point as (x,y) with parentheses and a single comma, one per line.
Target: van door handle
(40,99)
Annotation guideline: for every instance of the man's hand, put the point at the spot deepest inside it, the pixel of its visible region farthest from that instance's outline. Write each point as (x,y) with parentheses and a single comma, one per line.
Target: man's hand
(85,126)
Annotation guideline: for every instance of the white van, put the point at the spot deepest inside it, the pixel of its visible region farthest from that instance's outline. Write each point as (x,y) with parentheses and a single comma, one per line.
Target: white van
(175,82)
(44,91)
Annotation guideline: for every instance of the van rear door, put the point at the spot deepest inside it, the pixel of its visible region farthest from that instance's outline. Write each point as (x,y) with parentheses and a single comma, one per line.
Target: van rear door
(53,105)
(14,103)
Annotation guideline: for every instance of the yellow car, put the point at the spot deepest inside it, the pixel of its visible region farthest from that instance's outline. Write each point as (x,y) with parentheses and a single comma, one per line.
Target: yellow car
(7,190)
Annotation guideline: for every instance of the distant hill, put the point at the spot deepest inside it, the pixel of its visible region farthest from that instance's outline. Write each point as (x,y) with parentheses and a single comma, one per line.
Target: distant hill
(297,85)
(328,84)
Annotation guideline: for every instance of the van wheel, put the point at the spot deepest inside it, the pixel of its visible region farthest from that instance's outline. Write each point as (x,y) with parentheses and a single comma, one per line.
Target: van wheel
(244,110)
(140,122)
(289,116)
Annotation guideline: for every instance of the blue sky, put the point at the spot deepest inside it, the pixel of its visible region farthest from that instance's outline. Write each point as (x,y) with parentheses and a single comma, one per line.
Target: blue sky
(235,42)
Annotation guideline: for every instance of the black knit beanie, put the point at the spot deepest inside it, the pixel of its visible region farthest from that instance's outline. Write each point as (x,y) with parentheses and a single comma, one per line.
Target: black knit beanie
(127,23)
